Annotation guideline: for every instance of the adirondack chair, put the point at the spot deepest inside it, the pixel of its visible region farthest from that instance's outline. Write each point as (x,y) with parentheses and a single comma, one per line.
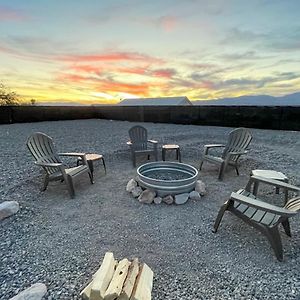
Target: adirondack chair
(41,147)
(139,143)
(239,140)
(261,215)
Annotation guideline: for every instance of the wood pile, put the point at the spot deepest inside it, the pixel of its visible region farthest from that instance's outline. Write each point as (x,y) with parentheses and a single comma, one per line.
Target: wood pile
(123,280)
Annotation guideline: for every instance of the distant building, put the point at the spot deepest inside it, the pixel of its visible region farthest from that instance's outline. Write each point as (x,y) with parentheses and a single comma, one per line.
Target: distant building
(162,101)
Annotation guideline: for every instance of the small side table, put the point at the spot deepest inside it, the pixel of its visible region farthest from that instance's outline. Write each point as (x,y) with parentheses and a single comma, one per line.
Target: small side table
(91,158)
(166,148)
(271,174)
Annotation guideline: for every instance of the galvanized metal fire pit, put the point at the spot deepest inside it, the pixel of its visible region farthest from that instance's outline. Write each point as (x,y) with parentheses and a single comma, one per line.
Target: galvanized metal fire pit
(167,178)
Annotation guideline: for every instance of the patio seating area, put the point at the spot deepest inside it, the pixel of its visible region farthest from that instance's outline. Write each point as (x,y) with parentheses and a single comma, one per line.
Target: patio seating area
(60,241)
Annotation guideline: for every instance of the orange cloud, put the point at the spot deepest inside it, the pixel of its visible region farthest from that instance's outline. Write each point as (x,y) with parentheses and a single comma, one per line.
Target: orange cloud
(72,78)
(86,68)
(110,57)
(137,89)
(165,73)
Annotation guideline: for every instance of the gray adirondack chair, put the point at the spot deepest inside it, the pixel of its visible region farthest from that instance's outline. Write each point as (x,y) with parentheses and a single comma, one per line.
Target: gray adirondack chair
(139,143)
(41,147)
(238,142)
(261,215)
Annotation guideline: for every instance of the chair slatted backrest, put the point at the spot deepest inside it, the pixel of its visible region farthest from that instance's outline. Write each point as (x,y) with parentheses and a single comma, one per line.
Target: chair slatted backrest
(239,140)
(41,147)
(138,137)
(293,204)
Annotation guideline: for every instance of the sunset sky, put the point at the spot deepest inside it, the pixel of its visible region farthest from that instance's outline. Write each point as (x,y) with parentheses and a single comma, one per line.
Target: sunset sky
(106,50)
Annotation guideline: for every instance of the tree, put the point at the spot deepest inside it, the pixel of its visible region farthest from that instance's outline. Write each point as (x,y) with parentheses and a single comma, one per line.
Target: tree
(8,97)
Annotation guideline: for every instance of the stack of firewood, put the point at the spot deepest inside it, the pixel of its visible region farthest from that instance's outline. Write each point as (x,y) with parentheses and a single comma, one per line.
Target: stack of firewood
(121,280)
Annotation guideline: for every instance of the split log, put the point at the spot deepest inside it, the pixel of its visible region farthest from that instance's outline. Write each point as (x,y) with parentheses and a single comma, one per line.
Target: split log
(133,272)
(86,292)
(103,277)
(143,286)
(115,287)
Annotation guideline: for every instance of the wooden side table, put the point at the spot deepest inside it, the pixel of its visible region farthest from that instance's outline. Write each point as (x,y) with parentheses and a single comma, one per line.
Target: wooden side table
(166,148)
(271,174)
(91,158)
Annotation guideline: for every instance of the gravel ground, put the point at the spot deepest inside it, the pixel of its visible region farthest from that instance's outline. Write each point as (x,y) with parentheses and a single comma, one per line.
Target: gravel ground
(61,241)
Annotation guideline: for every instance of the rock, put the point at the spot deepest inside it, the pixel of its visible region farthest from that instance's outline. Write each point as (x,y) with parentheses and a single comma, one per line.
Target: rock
(181,198)
(8,208)
(35,292)
(168,199)
(131,185)
(200,187)
(147,196)
(194,196)
(136,191)
(157,200)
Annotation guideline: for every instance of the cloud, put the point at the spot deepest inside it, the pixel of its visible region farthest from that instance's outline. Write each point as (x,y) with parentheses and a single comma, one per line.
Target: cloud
(109,57)
(256,83)
(248,55)
(279,40)
(165,73)
(12,14)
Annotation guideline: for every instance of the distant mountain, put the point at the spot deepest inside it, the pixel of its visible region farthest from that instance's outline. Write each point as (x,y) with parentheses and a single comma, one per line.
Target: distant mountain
(259,100)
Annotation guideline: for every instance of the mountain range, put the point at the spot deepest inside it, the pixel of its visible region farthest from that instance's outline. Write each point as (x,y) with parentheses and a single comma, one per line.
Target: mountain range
(259,100)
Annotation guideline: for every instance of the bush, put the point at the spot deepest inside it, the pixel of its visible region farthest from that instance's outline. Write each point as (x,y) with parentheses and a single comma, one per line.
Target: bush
(8,97)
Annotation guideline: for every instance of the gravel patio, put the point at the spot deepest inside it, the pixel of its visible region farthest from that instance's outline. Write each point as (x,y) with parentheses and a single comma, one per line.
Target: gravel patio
(61,241)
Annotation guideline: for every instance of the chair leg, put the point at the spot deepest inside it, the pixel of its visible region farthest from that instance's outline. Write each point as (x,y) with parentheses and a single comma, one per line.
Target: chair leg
(91,175)
(286,227)
(220,216)
(91,166)
(70,186)
(222,170)
(275,241)
(201,164)
(45,184)
(155,154)
(103,162)
(179,155)
(133,159)
(237,170)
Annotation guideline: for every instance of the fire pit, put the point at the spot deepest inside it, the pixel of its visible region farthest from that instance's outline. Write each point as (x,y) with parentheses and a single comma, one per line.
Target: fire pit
(167,178)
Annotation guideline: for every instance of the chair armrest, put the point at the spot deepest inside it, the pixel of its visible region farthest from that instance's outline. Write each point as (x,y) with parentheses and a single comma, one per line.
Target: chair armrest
(152,141)
(275,183)
(214,146)
(72,154)
(238,152)
(76,154)
(49,165)
(262,205)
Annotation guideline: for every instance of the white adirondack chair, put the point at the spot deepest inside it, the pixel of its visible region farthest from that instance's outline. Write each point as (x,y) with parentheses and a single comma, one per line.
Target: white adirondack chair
(41,147)
(139,143)
(238,142)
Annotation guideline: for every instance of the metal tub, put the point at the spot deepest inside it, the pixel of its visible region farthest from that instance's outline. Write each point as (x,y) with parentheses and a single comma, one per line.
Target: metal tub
(170,186)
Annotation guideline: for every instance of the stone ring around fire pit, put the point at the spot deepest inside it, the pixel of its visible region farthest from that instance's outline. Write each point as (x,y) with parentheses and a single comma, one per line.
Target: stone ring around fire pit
(167,178)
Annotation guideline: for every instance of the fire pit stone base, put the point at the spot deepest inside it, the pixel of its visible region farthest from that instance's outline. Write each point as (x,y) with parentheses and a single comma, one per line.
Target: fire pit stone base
(148,196)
